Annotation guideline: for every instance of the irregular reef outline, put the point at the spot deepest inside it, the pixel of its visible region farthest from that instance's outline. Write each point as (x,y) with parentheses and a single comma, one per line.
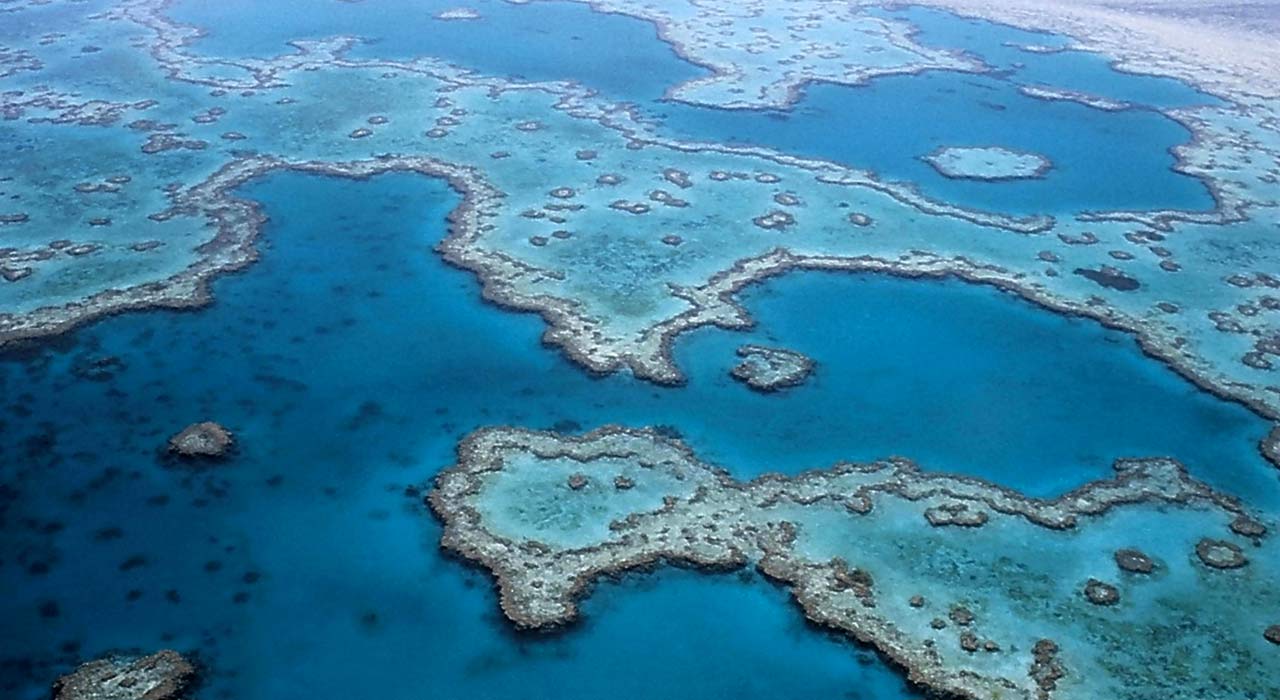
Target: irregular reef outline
(697,515)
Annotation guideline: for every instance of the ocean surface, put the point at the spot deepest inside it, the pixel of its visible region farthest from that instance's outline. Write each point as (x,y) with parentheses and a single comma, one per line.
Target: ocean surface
(350,360)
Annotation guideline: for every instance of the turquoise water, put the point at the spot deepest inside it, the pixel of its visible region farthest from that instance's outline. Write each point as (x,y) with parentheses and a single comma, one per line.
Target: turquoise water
(350,360)
(1102,160)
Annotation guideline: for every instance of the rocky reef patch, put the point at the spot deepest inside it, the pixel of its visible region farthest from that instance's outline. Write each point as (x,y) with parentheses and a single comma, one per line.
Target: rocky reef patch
(164,675)
(202,440)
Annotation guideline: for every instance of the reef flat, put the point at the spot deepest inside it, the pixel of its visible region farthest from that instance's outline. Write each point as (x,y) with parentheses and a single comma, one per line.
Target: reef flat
(1123,588)
(165,675)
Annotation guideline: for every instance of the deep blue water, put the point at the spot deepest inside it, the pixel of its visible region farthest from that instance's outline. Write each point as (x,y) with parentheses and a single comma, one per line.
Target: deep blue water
(349,361)
(1102,160)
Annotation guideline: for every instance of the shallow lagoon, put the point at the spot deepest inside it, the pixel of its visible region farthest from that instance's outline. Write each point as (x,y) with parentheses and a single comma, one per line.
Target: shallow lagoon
(349,360)
(1102,160)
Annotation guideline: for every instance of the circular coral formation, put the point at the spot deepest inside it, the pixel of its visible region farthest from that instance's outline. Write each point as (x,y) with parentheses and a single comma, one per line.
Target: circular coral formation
(775,220)
(1220,554)
(987,163)
(961,615)
(1101,593)
(630,207)
(677,177)
(1245,526)
(207,439)
(768,369)
(1134,561)
(668,199)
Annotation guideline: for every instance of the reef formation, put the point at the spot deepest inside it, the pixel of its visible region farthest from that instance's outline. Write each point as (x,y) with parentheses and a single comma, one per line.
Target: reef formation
(770,369)
(988,163)
(1123,588)
(207,439)
(164,675)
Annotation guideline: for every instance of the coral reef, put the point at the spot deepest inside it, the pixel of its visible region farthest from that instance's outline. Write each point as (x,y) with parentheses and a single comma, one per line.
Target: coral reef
(207,439)
(164,675)
(989,163)
(770,369)
(857,547)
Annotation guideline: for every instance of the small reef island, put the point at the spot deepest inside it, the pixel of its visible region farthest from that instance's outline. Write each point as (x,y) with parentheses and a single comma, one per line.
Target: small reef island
(989,163)
(803,349)
(770,369)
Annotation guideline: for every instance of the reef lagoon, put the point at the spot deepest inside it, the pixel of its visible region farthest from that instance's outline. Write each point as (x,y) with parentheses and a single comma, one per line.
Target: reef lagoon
(400,349)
